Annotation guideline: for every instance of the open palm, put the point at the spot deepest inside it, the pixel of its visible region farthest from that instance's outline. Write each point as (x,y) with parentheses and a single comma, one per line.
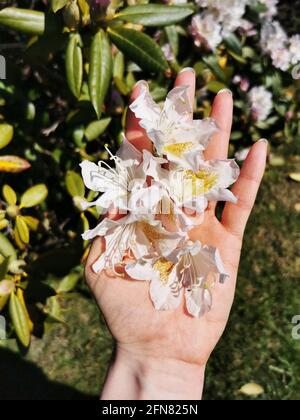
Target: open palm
(137,327)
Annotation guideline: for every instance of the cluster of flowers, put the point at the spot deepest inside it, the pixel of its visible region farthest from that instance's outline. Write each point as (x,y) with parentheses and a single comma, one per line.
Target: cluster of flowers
(217,19)
(160,197)
(284,51)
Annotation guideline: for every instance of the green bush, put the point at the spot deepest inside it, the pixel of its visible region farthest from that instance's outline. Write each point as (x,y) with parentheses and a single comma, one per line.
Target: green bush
(71,65)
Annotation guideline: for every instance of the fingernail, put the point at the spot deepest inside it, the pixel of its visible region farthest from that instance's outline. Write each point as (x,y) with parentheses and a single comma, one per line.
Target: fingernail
(141,83)
(228,91)
(263,141)
(190,69)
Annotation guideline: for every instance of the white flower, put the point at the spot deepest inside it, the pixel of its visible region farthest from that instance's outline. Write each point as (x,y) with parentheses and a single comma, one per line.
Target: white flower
(170,128)
(206,181)
(271,8)
(136,235)
(124,186)
(191,270)
(294,49)
(206,30)
(275,42)
(261,102)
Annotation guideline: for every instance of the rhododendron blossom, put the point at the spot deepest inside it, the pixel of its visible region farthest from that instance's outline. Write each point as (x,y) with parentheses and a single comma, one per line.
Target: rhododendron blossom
(156,189)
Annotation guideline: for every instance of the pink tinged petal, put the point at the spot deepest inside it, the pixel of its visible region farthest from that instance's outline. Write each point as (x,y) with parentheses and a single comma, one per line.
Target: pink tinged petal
(162,295)
(177,103)
(128,153)
(146,109)
(140,270)
(209,261)
(198,301)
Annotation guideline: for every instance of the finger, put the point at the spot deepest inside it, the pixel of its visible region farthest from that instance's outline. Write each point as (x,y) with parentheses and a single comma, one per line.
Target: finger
(235,216)
(222,111)
(187,77)
(134,132)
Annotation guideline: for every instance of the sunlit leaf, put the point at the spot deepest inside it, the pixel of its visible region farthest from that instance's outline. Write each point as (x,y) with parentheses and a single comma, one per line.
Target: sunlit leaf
(6,134)
(22,229)
(154,14)
(74,64)
(34,196)
(19,320)
(13,164)
(31,222)
(9,195)
(140,48)
(6,288)
(23,20)
(100,71)
(74,184)
(96,128)
(57,5)
(6,248)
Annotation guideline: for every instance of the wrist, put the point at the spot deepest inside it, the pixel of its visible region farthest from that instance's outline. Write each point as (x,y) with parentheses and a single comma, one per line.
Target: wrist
(135,376)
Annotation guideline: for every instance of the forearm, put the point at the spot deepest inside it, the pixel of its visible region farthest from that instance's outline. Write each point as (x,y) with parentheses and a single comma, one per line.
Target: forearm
(133,377)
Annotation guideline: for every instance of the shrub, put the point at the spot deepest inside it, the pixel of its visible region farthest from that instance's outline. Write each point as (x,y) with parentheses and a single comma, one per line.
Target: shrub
(71,65)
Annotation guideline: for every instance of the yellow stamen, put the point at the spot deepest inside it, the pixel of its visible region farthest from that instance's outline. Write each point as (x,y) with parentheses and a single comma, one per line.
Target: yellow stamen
(178,149)
(150,232)
(164,267)
(202,181)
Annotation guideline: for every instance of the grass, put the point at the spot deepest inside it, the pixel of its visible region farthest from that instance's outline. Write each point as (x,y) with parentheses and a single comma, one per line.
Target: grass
(70,361)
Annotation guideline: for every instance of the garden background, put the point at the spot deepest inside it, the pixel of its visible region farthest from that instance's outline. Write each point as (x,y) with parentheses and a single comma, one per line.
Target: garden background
(67,68)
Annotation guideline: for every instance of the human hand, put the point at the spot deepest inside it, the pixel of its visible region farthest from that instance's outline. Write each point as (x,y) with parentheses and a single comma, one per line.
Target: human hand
(162,355)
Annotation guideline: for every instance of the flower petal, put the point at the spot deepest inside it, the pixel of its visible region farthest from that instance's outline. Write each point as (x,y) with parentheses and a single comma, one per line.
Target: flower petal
(162,295)
(198,301)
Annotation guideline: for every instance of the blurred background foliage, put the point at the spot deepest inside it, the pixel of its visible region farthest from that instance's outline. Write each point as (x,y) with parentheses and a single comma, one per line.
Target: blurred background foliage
(70,67)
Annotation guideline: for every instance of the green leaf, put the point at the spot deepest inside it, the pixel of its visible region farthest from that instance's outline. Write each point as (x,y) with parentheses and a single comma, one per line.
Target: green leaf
(96,128)
(9,195)
(74,64)
(233,43)
(6,248)
(74,184)
(13,164)
(34,196)
(6,288)
(6,134)
(31,222)
(19,319)
(140,48)
(57,5)
(4,268)
(23,20)
(69,283)
(22,229)
(215,86)
(100,71)
(154,14)
(212,63)
(119,65)
(173,38)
